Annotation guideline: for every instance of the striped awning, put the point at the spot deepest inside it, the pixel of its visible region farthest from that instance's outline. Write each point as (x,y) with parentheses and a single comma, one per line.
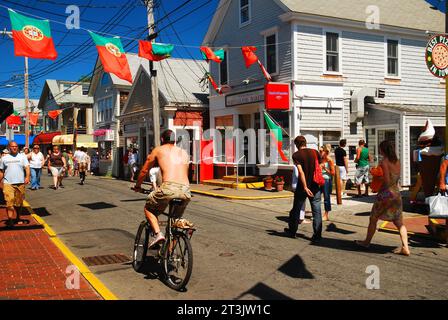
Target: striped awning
(83,140)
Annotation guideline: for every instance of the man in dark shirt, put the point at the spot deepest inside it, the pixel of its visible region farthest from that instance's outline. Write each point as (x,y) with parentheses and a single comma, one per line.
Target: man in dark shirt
(305,160)
(342,163)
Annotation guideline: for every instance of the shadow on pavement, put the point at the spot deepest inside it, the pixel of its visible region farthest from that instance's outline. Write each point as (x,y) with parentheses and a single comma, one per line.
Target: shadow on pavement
(348,245)
(363,214)
(42,212)
(283,218)
(295,268)
(333,228)
(264,292)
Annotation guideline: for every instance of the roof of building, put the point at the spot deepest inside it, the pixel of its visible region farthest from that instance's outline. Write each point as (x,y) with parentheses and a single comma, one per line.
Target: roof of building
(412,109)
(411,14)
(19,104)
(408,14)
(62,98)
(178,79)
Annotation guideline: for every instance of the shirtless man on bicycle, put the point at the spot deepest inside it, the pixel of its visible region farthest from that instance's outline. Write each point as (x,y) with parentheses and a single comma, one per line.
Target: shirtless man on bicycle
(173,162)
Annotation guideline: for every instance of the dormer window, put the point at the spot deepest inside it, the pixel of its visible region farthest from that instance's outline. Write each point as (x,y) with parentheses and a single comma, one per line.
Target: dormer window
(245,14)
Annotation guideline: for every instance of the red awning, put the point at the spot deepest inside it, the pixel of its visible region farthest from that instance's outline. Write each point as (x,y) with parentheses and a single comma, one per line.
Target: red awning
(188,118)
(46,138)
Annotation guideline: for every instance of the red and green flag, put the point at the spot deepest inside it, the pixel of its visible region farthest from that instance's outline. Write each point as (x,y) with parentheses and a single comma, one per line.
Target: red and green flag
(154,51)
(14,119)
(32,37)
(208,54)
(276,134)
(112,56)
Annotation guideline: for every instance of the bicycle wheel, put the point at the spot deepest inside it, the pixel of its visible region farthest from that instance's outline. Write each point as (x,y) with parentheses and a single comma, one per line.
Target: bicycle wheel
(140,246)
(177,261)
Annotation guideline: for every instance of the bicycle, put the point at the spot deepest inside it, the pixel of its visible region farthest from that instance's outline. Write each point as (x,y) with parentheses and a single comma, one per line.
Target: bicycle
(175,254)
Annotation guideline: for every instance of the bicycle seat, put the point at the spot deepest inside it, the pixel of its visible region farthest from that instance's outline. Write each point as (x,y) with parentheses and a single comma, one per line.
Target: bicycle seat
(177,207)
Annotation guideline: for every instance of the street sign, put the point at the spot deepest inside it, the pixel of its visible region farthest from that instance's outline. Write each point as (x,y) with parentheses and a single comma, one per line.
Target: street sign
(437,56)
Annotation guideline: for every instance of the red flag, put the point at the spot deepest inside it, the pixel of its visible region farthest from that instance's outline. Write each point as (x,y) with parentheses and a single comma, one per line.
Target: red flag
(145,51)
(249,55)
(14,120)
(54,114)
(265,72)
(34,116)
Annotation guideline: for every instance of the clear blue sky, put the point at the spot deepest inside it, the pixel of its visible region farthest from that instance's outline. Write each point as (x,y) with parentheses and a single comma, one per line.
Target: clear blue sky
(95,14)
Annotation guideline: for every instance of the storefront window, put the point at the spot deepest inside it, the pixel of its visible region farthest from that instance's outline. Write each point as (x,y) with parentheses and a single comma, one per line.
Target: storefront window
(105,150)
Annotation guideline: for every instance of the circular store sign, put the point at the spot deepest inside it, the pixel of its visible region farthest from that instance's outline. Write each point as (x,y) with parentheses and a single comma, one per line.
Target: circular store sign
(113,49)
(33,33)
(437,56)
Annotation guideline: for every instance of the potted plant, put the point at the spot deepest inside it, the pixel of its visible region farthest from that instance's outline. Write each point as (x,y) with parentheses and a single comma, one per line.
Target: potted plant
(279,183)
(268,183)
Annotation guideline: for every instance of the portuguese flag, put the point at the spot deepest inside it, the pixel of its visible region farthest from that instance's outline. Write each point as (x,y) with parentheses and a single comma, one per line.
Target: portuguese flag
(112,56)
(14,119)
(276,134)
(32,37)
(154,51)
(208,54)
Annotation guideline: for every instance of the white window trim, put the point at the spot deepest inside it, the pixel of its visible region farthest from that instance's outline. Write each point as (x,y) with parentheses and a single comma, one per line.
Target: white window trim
(324,52)
(386,75)
(266,34)
(226,52)
(249,5)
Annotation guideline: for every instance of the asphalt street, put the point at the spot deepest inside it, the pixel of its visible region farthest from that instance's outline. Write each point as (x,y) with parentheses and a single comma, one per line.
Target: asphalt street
(240,251)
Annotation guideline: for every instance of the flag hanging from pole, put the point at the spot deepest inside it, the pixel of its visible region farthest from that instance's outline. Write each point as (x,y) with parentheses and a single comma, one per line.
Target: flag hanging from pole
(112,56)
(34,117)
(14,120)
(32,37)
(212,81)
(276,134)
(250,58)
(208,54)
(54,114)
(154,51)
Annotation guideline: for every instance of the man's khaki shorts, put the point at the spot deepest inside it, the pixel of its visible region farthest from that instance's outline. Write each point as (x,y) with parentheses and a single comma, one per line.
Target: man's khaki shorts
(158,200)
(82,167)
(14,194)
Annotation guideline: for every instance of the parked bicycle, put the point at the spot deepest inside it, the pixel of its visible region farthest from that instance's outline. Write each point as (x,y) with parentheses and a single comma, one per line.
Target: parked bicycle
(175,254)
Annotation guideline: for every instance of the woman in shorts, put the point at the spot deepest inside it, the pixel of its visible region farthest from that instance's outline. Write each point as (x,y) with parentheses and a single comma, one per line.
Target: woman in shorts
(57,166)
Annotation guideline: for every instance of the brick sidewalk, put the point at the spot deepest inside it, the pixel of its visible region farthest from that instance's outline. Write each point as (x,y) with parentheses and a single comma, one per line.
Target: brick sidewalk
(33,268)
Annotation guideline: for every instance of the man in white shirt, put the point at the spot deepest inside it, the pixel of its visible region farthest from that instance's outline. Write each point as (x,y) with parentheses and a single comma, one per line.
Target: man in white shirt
(36,160)
(83,161)
(15,170)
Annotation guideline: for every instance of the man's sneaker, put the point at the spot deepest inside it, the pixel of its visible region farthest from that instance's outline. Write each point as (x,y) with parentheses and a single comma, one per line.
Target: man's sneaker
(156,239)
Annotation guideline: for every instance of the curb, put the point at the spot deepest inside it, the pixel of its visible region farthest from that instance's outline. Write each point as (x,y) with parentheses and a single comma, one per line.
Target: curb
(99,287)
(395,231)
(217,195)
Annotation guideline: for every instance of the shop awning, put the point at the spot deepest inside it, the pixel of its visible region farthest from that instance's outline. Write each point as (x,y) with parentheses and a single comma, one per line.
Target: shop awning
(45,138)
(83,140)
(18,138)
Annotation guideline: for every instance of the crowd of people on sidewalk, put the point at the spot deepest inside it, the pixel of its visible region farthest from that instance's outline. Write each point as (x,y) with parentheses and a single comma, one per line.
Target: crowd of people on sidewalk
(315,170)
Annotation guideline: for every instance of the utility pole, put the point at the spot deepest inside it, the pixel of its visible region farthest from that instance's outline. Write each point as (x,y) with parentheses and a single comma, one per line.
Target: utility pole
(154,86)
(27,99)
(27,107)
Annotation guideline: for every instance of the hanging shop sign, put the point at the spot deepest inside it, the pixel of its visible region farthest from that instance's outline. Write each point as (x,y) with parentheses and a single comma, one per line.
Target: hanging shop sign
(277,96)
(437,56)
(243,98)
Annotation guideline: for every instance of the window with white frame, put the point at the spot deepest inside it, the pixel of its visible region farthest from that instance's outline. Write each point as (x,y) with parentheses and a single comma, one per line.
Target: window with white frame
(392,58)
(223,70)
(271,53)
(332,52)
(67,88)
(245,14)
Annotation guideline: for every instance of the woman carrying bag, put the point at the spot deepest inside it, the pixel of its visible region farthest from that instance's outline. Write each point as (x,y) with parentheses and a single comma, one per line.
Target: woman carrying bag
(328,172)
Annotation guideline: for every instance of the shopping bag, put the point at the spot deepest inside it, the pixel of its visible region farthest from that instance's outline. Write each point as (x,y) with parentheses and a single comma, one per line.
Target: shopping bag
(438,206)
